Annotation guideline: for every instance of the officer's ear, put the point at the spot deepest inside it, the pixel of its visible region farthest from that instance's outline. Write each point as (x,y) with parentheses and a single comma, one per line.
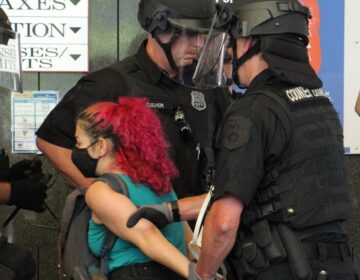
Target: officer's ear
(243,45)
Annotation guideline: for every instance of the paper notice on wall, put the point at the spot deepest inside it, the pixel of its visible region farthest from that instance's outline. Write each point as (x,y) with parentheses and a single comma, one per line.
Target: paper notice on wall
(28,111)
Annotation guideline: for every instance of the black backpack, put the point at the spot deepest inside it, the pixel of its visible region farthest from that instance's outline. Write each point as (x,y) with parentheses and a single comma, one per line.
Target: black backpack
(76,261)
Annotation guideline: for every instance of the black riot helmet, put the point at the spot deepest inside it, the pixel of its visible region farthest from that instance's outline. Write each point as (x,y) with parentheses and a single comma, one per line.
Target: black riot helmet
(266,17)
(173,22)
(196,15)
(280,30)
(10,62)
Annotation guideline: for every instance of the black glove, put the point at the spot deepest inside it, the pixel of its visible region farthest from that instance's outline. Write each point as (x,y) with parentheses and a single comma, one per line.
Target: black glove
(29,193)
(158,214)
(25,169)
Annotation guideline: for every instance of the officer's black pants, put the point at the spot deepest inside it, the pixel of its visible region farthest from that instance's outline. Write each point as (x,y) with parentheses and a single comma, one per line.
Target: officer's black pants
(336,270)
(339,266)
(144,271)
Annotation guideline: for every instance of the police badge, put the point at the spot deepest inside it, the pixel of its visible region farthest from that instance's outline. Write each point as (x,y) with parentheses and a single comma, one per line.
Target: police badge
(198,100)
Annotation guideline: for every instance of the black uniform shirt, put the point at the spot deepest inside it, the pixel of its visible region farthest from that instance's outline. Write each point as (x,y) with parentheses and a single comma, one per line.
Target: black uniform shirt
(139,76)
(252,137)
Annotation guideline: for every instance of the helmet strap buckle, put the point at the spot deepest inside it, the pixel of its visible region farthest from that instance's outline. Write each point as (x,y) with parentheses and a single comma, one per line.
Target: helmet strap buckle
(160,19)
(253,50)
(167,47)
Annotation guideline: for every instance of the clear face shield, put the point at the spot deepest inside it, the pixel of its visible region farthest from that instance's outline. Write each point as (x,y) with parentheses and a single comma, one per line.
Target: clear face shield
(214,68)
(182,44)
(10,60)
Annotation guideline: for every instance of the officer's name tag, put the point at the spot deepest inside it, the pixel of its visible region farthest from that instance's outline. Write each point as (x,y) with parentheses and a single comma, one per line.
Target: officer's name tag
(156,105)
(301,94)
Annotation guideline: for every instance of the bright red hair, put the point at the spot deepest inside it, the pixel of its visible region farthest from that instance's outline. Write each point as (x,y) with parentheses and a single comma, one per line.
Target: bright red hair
(139,141)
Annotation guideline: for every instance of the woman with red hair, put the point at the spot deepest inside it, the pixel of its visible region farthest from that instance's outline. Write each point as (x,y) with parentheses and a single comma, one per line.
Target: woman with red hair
(126,139)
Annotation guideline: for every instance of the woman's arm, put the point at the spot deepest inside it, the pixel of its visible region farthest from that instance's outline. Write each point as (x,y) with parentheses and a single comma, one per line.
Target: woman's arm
(113,210)
(189,207)
(163,214)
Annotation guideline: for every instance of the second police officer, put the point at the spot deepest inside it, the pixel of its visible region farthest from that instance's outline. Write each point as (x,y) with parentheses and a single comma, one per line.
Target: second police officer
(281,178)
(22,184)
(281,185)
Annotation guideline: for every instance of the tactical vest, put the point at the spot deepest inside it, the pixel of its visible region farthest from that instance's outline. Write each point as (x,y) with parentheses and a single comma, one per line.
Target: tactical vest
(309,185)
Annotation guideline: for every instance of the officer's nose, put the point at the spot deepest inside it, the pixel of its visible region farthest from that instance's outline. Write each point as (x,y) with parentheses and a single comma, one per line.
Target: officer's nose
(200,41)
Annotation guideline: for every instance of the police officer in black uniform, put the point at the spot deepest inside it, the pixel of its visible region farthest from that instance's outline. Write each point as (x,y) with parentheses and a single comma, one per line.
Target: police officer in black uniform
(281,188)
(281,169)
(21,184)
(162,71)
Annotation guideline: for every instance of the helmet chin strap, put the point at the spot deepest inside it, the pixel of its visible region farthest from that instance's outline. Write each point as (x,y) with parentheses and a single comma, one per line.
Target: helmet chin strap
(167,47)
(253,50)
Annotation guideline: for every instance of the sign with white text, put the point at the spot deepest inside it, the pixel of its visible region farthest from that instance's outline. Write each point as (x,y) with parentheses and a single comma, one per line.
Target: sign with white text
(54,33)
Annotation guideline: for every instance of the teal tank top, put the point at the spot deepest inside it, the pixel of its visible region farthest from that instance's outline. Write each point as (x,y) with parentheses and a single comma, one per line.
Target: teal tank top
(124,253)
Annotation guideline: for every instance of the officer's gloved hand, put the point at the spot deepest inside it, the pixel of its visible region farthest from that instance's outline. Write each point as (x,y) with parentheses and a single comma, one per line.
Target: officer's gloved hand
(29,193)
(193,274)
(159,214)
(25,169)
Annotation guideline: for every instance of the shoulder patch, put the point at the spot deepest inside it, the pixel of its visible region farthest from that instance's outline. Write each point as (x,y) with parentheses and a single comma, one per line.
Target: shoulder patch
(198,100)
(236,132)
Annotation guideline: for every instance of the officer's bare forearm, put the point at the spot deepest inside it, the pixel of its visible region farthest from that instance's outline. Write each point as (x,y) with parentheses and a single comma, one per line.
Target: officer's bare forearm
(5,190)
(189,207)
(61,159)
(220,230)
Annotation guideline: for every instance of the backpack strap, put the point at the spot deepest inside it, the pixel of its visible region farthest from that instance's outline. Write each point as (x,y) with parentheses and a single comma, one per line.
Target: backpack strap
(118,185)
(115,182)
(68,212)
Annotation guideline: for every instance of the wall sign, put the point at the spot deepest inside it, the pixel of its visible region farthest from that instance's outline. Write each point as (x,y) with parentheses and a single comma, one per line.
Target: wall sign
(28,111)
(54,33)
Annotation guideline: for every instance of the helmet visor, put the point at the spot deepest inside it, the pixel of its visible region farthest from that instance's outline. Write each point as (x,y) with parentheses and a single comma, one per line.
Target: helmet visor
(214,68)
(10,61)
(183,45)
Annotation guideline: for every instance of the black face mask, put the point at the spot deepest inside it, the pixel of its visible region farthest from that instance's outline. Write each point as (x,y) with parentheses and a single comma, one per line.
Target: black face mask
(84,162)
